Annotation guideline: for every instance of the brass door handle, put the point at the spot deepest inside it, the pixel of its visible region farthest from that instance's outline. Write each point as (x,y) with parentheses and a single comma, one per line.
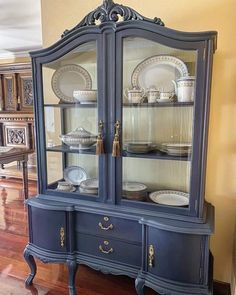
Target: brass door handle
(110,227)
(151,255)
(62,236)
(104,251)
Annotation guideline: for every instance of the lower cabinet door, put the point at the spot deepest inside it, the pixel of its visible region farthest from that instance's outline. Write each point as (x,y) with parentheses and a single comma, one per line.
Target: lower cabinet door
(48,229)
(114,250)
(175,256)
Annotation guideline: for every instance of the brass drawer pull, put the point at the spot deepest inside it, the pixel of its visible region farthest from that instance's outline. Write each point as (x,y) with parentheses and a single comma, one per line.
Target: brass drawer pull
(104,251)
(151,255)
(110,227)
(62,236)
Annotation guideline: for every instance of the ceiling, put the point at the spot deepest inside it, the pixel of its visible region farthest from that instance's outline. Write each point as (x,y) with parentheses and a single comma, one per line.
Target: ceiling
(20,27)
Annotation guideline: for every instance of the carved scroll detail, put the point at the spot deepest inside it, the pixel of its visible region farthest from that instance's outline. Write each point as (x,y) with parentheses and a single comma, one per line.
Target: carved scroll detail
(112,12)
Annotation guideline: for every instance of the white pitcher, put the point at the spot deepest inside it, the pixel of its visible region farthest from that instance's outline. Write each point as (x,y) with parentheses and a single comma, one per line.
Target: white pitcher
(185,88)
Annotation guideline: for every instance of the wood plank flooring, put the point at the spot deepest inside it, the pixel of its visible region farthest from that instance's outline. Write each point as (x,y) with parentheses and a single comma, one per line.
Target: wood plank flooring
(51,279)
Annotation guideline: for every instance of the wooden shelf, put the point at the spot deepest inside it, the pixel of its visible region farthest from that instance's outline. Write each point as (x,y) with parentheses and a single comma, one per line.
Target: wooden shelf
(66,149)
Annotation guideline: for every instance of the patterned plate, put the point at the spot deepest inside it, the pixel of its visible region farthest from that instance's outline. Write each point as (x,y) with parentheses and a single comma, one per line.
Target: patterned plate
(159,71)
(74,175)
(69,78)
(170,198)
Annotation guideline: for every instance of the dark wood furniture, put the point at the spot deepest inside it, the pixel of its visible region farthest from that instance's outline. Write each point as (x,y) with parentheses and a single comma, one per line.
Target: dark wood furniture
(16,113)
(163,245)
(19,155)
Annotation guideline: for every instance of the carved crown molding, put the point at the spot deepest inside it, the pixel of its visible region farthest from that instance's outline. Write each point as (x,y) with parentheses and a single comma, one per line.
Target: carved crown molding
(111,12)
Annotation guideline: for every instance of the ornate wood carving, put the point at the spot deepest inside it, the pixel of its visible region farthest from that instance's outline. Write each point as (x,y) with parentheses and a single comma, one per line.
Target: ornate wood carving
(25,91)
(9,92)
(28,91)
(112,12)
(16,136)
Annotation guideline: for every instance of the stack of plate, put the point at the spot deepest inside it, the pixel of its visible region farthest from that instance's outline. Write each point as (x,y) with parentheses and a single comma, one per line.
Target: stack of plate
(89,186)
(134,191)
(177,149)
(139,147)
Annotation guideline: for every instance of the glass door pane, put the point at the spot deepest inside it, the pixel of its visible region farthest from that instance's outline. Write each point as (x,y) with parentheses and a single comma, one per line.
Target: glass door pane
(71,120)
(158,111)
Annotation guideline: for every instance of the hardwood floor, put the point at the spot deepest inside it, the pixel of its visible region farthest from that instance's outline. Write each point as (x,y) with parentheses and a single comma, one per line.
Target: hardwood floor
(50,279)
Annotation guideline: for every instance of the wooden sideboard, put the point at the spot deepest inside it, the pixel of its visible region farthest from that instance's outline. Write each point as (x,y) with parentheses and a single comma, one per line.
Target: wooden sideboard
(16,114)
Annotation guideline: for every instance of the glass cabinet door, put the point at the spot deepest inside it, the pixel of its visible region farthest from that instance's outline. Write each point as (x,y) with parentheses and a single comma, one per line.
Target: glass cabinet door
(159,93)
(70,90)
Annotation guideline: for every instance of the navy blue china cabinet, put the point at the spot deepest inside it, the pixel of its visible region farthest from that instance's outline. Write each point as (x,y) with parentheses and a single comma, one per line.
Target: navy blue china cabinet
(122,109)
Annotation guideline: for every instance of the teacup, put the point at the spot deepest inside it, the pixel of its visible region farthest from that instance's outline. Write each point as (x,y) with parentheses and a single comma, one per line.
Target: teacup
(134,95)
(152,95)
(166,95)
(65,186)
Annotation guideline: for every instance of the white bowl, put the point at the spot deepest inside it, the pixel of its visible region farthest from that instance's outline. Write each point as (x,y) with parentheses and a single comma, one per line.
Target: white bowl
(85,96)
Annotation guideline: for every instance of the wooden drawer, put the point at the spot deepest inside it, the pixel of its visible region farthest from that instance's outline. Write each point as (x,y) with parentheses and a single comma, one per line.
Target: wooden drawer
(107,226)
(110,249)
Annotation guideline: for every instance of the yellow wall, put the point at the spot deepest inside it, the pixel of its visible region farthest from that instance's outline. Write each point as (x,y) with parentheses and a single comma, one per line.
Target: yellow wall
(188,15)
(14,60)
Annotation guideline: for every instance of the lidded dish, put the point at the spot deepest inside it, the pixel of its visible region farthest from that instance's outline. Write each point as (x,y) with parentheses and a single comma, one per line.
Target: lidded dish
(79,139)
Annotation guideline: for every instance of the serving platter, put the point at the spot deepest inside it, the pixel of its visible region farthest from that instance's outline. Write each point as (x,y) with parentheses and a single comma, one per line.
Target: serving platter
(75,174)
(68,79)
(158,71)
(170,198)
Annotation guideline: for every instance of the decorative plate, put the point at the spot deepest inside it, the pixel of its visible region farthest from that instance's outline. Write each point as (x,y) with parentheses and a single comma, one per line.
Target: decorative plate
(134,187)
(69,78)
(159,71)
(74,175)
(170,198)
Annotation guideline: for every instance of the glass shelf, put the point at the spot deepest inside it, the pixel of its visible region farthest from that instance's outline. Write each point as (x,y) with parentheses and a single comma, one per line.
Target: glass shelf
(71,105)
(157,155)
(66,149)
(159,105)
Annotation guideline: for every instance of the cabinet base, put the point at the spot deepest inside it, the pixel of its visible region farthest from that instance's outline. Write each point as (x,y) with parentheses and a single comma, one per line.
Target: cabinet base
(167,288)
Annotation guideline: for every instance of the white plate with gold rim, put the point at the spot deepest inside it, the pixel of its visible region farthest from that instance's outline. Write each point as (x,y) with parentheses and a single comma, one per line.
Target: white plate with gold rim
(69,78)
(159,71)
(170,198)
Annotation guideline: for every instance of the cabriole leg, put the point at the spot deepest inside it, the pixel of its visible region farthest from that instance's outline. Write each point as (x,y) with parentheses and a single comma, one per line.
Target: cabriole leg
(139,286)
(72,267)
(33,268)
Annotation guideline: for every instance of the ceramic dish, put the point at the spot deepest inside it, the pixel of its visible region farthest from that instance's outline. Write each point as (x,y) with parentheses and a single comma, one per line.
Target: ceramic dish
(85,96)
(88,192)
(79,139)
(64,186)
(140,150)
(69,78)
(134,187)
(166,100)
(74,175)
(170,198)
(159,71)
(91,183)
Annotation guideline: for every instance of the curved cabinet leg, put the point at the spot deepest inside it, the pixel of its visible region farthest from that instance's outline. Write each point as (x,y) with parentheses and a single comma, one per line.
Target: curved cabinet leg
(33,268)
(72,268)
(139,286)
